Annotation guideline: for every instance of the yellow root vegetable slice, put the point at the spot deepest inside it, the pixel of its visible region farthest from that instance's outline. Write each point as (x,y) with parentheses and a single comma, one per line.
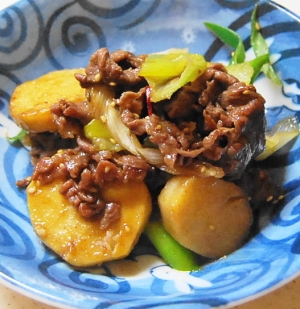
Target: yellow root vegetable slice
(80,241)
(209,216)
(31,101)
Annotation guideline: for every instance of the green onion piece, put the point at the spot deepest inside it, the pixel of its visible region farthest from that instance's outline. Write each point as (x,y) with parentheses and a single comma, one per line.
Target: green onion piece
(103,143)
(260,47)
(242,71)
(248,71)
(17,138)
(177,256)
(257,65)
(96,128)
(164,66)
(97,131)
(166,73)
(230,38)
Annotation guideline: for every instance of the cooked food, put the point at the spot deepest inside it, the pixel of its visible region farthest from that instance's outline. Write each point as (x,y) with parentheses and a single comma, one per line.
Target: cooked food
(88,198)
(209,216)
(133,139)
(85,242)
(214,122)
(31,101)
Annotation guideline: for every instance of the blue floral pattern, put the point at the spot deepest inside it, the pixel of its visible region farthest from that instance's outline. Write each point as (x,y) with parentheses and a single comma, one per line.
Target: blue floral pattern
(38,36)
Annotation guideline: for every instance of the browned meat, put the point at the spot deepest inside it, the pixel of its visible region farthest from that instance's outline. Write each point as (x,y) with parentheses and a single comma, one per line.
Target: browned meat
(84,170)
(233,121)
(214,119)
(47,144)
(133,101)
(70,117)
(116,68)
(259,186)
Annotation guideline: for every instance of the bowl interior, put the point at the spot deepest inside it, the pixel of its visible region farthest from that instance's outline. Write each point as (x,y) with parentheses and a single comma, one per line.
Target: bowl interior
(37,37)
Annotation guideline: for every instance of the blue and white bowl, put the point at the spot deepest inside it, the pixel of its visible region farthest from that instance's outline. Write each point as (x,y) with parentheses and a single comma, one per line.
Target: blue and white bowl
(38,36)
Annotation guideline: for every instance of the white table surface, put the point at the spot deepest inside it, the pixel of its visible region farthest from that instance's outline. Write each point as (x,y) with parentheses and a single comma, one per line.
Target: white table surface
(285,297)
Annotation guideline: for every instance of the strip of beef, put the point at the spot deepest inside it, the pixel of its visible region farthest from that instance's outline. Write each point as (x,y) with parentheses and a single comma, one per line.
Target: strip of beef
(119,68)
(85,169)
(215,119)
(231,120)
(70,117)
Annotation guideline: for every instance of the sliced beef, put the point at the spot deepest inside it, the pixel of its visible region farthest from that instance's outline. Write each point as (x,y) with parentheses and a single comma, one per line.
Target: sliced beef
(133,101)
(215,119)
(47,144)
(119,68)
(85,169)
(70,117)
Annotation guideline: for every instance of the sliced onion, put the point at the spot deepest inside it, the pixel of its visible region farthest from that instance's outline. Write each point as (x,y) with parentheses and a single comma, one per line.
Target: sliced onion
(129,141)
(100,97)
(283,132)
(102,101)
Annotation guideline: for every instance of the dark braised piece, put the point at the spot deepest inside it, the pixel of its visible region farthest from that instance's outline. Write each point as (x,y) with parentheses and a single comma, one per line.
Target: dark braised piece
(260,188)
(215,119)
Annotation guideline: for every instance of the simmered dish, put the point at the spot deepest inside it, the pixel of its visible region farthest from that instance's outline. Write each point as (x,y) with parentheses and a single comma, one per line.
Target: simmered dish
(163,144)
(108,157)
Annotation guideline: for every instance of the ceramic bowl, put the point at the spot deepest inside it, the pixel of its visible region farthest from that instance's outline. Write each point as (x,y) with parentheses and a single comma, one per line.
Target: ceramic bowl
(38,36)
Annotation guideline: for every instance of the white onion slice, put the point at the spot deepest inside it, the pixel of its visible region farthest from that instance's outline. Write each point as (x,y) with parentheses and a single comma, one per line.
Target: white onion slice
(102,101)
(282,133)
